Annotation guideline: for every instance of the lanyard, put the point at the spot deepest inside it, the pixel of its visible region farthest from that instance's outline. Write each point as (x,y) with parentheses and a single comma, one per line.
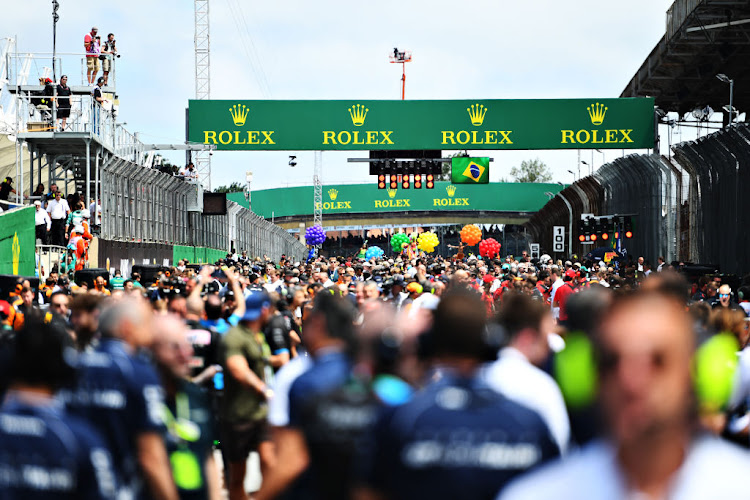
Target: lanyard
(181,427)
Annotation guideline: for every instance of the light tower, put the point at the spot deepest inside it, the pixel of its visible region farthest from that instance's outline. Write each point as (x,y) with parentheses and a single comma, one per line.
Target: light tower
(202,81)
(401,57)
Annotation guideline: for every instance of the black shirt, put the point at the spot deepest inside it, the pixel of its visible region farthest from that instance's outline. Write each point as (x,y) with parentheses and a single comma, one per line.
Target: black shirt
(62,92)
(277,334)
(5,189)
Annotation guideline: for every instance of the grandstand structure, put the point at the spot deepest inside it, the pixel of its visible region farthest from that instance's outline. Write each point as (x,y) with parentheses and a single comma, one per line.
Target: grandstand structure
(688,204)
(146,214)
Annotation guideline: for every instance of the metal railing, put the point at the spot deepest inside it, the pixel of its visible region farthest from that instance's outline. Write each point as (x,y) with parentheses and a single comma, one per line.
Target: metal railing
(26,68)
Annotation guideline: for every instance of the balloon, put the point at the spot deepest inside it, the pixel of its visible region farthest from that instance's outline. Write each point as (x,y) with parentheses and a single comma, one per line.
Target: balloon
(427,242)
(471,234)
(374,252)
(315,235)
(489,248)
(398,241)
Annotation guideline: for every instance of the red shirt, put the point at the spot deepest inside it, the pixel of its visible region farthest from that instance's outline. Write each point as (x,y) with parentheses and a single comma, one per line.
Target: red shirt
(561,297)
(544,291)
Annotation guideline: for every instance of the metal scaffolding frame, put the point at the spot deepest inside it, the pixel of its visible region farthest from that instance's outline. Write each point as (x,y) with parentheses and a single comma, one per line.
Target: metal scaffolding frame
(202,159)
(318,190)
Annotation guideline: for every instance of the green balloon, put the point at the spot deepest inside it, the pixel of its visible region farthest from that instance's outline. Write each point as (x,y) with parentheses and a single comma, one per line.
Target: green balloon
(397,241)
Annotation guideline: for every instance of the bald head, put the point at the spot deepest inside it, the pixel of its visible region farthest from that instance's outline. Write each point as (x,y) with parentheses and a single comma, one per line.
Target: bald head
(171,347)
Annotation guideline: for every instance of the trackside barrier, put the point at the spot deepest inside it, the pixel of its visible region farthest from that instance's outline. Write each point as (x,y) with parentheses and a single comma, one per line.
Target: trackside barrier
(144,205)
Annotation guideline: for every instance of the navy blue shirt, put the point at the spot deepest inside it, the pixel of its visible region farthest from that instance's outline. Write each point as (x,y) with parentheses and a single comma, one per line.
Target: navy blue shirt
(46,453)
(121,395)
(329,371)
(456,439)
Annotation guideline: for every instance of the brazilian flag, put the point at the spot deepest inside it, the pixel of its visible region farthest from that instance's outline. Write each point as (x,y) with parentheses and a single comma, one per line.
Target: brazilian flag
(466,170)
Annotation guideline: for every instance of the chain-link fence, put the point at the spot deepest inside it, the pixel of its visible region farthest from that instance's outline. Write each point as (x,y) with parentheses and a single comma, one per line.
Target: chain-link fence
(147,206)
(719,168)
(645,186)
(690,208)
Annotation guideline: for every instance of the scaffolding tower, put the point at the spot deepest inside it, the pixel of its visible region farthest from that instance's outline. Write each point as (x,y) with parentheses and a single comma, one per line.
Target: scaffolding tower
(202,159)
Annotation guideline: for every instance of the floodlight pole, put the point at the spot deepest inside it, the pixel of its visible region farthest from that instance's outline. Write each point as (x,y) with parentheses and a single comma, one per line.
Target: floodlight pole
(403,82)
(724,78)
(731,95)
(402,58)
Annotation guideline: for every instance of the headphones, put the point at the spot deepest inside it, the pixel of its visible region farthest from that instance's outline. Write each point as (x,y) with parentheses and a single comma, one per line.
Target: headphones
(714,367)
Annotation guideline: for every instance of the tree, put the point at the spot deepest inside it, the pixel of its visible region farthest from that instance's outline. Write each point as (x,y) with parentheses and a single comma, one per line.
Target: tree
(234,187)
(531,171)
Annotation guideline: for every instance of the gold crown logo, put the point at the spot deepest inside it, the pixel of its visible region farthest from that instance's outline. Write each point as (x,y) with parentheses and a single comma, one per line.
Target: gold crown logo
(476,113)
(358,112)
(333,193)
(451,190)
(239,114)
(597,112)
(391,193)
(16,249)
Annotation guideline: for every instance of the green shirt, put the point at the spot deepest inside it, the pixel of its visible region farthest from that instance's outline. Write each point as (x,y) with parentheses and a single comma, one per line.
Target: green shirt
(241,403)
(117,283)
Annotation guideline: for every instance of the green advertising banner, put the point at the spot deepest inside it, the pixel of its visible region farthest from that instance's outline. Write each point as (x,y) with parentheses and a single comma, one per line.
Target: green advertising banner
(18,242)
(392,125)
(466,170)
(367,198)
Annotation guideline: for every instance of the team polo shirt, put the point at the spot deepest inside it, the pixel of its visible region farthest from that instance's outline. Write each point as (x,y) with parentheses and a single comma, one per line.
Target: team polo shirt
(457,438)
(120,393)
(329,371)
(46,453)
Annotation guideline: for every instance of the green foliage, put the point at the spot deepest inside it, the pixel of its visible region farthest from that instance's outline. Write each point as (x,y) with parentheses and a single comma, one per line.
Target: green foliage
(234,187)
(531,171)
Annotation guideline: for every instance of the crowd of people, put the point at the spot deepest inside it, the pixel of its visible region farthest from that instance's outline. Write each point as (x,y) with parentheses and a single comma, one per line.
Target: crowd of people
(429,377)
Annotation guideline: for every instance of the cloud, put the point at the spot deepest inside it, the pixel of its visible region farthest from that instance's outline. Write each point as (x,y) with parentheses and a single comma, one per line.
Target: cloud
(339,50)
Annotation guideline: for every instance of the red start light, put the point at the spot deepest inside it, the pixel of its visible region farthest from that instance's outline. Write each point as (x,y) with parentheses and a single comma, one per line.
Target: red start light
(581,238)
(617,234)
(605,236)
(593,237)
(394,181)
(430,181)
(628,234)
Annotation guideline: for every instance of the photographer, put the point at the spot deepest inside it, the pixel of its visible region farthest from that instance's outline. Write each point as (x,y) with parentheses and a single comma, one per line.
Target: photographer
(109,52)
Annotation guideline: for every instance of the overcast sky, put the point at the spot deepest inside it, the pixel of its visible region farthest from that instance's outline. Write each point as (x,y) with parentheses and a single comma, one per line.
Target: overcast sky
(339,50)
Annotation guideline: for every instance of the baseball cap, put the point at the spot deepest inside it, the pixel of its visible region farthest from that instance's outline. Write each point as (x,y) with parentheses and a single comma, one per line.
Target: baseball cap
(488,278)
(254,305)
(570,273)
(4,309)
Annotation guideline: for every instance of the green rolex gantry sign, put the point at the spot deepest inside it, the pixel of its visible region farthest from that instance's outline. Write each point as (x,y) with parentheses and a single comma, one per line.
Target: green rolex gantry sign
(476,124)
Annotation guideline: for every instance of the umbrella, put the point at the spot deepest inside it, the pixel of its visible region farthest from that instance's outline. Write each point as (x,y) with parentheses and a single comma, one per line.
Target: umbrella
(607,254)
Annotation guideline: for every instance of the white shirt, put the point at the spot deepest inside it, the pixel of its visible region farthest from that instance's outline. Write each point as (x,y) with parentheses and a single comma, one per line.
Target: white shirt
(513,376)
(58,209)
(42,217)
(278,406)
(95,210)
(713,469)
(557,284)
